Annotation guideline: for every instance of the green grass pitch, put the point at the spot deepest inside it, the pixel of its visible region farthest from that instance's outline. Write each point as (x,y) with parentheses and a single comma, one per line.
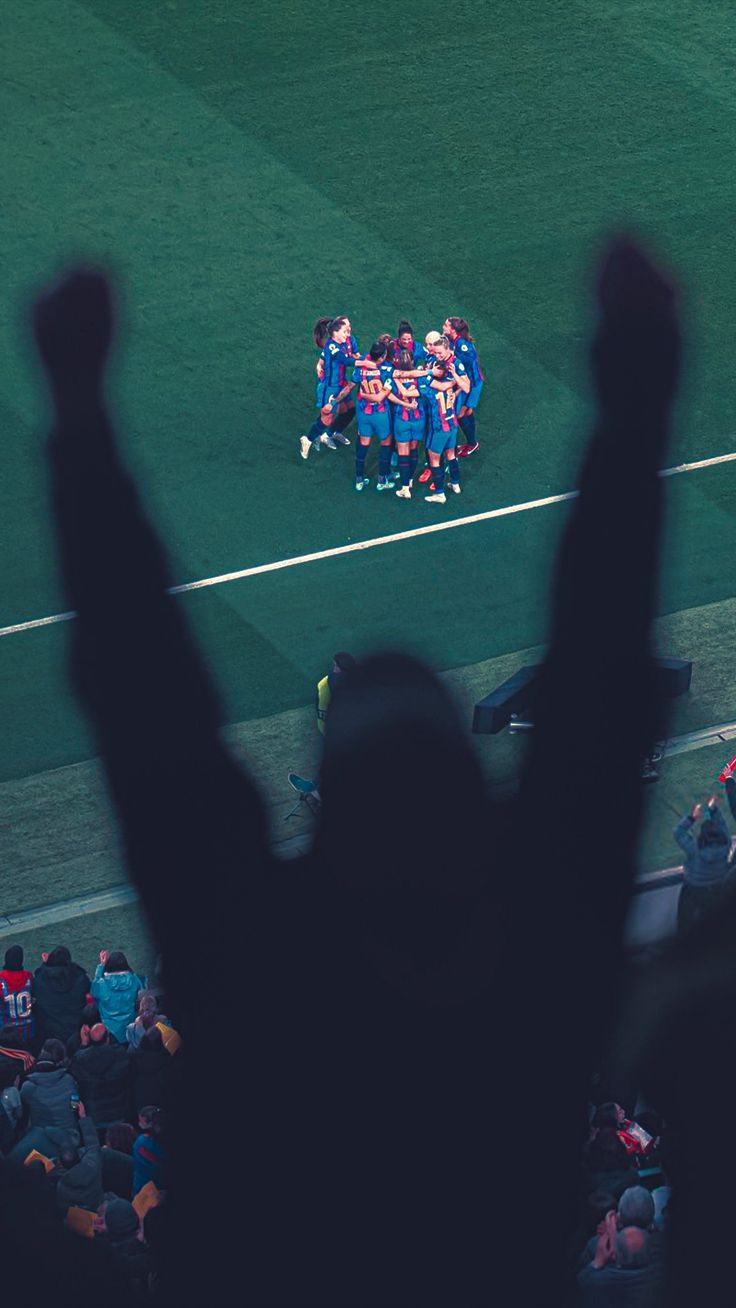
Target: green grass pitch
(246,168)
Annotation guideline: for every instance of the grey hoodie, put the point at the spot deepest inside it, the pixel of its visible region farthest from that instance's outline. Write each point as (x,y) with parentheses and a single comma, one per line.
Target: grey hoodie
(709,865)
(48,1098)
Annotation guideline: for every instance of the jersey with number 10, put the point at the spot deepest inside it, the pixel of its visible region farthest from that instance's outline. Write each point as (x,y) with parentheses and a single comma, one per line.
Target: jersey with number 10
(372,382)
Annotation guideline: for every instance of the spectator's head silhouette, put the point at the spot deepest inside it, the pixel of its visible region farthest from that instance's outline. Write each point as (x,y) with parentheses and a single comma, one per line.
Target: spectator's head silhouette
(59,957)
(117,962)
(52,1055)
(14,959)
(394,748)
(121,1219)
(711,834)
(68,1157)
(120,1136)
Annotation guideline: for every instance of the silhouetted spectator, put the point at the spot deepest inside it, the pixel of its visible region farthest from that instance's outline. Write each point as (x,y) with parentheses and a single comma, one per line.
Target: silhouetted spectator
(375,965)
(78,1172)
(117,1159)
(16,995)
(706,864)
(49,1097)
(60,990)
(89,1017)
(115,988)
(635,1208)
(47,1090)
(103,1073)
(122,1235)
(15,1059)
(620,1274)
(154,1071)
(150,1158)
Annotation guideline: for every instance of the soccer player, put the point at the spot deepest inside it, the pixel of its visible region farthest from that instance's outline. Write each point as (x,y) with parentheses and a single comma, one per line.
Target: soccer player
(404,340)
(332,389)
(374,376)
(409,423)
(448,379)
(458,333)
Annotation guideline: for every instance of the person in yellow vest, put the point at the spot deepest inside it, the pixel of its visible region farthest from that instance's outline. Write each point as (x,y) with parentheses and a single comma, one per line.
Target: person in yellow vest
(341,664)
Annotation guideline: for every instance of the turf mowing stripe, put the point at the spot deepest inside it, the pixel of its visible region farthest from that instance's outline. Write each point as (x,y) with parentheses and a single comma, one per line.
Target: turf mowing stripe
(355,546)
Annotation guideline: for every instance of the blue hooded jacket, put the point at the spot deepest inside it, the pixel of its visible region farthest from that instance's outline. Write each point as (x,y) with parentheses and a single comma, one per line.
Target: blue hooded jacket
(116,994)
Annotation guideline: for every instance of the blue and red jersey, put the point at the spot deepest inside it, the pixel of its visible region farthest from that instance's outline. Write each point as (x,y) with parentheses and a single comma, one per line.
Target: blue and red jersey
(407,418)
(371,382)
(335,362)
(395,351)
(442,403)
(467,354)
(16,1002)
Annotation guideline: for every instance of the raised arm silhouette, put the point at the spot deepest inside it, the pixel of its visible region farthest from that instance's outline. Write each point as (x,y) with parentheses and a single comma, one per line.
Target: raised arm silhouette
(401,1008)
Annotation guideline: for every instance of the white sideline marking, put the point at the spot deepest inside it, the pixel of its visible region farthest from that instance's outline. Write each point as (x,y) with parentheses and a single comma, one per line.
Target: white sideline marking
(371,544)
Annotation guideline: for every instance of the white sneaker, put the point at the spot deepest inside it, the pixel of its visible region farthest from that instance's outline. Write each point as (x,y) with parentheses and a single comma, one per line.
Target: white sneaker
(328,441)
(305,446)
(341,439)
(455,486)
(360,482)
(404,493)
(436,499)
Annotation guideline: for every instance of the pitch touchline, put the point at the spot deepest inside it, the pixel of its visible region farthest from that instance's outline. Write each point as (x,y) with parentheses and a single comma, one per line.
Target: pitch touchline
(370,544)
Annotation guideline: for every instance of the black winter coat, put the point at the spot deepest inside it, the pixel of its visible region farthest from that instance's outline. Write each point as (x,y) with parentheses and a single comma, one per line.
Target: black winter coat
(102,1073)
(59,995)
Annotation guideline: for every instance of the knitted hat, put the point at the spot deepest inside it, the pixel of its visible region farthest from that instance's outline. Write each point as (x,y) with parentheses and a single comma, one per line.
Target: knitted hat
(121,1218)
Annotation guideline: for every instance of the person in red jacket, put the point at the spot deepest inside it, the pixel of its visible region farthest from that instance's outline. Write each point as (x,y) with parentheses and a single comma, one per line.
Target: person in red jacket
(16,995)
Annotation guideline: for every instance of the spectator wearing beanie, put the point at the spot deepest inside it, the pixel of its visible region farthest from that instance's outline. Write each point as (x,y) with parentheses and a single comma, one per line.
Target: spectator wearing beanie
(16,994)
(115,988)
(60,993)
(102,1072)
(153,1070)
(122,1236)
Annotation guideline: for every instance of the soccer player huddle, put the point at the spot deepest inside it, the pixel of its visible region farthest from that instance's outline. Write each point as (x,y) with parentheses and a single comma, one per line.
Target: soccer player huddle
(402,393)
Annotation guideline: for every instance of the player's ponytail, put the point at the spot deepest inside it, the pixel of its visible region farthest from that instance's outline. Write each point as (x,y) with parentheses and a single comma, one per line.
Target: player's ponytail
(404,326)
(320,332)
(406,360)
(460,326)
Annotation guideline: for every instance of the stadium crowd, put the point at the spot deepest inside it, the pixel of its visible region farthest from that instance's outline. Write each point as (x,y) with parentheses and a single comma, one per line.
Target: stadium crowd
(88,1069)
(384,1091)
